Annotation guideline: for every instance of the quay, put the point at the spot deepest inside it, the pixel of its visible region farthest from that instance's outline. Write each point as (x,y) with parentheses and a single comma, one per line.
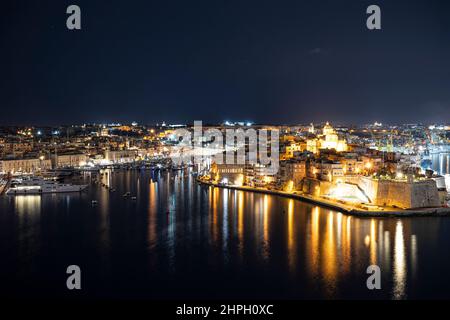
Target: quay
(345,208)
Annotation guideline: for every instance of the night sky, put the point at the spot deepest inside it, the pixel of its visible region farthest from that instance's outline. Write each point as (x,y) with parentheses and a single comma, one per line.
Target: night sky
(266,61)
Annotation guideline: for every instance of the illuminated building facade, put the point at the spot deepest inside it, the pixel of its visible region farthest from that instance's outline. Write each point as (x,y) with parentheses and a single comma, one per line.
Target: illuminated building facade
(232,174)
(328,140)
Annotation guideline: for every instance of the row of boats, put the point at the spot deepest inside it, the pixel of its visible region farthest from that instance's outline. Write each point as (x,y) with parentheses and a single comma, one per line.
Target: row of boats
(161,166)
(48,182)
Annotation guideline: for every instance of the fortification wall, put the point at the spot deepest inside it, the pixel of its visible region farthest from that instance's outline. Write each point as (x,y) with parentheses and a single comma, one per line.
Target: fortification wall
(401,194)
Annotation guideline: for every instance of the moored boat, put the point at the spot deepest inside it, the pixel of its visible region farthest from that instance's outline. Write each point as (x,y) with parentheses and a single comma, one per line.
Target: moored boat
(36,185)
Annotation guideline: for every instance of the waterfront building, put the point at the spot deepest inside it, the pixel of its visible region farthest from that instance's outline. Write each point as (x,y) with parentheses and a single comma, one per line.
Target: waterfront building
(292,172)
(227,173)
(69,160)
(404,194)
(24,165)
(120,156)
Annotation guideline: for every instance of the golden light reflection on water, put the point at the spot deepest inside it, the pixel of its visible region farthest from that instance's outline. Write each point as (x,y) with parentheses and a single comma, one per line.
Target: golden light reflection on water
(331,245)
(266,225)
(292,248)
(261,224)
(240,225)
(373,242)
(312,242)
(105,207)
(335,247)
(213,205)
(400,270)
(28,204)
(152,214)
(28,209)
(346,243)
(329,255)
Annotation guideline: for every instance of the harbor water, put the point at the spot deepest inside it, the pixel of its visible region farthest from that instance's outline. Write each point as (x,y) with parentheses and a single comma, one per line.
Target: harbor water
(178,239)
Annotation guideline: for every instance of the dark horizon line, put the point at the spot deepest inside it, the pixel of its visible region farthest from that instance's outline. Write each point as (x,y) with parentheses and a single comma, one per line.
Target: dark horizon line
(188,124)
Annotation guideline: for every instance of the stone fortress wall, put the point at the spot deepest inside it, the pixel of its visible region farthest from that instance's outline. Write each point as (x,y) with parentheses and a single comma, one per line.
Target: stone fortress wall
(400,194)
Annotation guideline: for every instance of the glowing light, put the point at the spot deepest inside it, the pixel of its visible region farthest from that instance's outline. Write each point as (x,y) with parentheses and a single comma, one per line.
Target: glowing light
(291,240)
(267,179)
(239,180)
(367,240)
(290,186)
(399,263)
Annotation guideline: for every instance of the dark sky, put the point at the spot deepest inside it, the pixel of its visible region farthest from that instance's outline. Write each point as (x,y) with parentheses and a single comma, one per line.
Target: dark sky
(266,61)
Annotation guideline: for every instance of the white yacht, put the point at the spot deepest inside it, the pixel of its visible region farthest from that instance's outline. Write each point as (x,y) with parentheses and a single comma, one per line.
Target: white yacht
(35,185)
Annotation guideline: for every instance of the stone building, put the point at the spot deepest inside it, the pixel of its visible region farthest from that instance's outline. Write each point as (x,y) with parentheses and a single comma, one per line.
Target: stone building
(68,160)
(232,174)
(399,193)
(24,165)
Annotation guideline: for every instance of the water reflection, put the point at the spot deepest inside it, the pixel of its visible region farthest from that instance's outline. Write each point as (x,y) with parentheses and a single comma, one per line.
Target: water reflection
(226,196)
(313,241)
(335,247)
(265,244)
(332,245)
(28,204)
(240,225)
(400,270)
(153,213)
(292,248)
(180,226)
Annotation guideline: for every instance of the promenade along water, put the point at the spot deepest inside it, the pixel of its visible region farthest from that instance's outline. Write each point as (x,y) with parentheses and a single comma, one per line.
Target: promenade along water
(179,239)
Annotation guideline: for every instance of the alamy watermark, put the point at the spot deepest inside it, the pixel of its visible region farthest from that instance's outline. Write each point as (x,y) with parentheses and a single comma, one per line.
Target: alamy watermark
(73,21)
(373,21)
(74,280)
(240,146)
(374,280)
